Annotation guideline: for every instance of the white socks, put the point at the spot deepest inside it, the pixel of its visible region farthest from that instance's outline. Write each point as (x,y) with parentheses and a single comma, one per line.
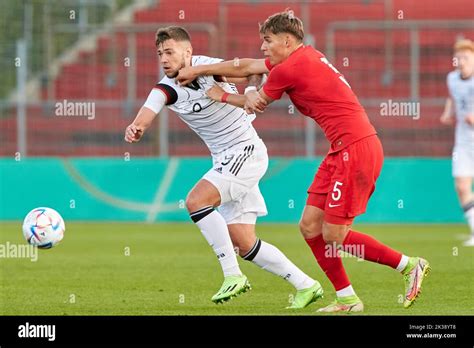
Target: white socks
(214,229)
(266,256)
(270,258)
(347,291)
(403,263)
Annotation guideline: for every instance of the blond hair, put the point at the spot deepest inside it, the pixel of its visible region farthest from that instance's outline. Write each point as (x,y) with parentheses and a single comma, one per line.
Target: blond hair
(464,44)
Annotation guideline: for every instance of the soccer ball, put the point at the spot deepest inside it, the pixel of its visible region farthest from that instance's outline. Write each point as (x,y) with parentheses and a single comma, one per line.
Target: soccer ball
(43,227)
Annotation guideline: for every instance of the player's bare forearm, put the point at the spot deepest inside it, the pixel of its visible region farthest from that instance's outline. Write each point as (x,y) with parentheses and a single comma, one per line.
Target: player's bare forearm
(256,101)
(253,101)
(144,118)
(140,124)
(447,116)
(232,68)
(216,93)
(236,100)
(448,107)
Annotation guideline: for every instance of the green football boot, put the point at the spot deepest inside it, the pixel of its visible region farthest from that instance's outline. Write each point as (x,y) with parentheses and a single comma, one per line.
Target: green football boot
(348,304)
(413,274)
(232,287)
(305,297)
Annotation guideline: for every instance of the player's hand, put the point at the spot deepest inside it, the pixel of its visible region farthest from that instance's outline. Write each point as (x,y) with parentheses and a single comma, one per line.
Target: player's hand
(447,119)
(254,102)
(133,133)
(215,93)
(470,119)
(186,76)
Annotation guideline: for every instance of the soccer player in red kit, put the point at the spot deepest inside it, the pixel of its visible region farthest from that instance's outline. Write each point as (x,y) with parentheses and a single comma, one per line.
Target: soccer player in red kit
(346,178)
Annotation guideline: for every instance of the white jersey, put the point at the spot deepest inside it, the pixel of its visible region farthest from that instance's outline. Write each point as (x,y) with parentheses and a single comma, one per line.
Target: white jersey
(219,125)
(462,93)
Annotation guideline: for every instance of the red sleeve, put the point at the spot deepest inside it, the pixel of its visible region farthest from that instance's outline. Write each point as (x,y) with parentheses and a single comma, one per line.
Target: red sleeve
(279,80)
(268,64)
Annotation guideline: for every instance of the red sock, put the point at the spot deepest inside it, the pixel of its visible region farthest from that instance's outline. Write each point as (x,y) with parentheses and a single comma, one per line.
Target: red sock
(329,261)
(370,249)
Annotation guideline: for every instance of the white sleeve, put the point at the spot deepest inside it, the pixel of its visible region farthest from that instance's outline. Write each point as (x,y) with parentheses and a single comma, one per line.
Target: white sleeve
(448,83)
(201,60)
(214,61)
(155,101)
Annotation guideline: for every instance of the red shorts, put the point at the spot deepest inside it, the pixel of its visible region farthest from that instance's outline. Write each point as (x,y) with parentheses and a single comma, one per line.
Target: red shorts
(346,179)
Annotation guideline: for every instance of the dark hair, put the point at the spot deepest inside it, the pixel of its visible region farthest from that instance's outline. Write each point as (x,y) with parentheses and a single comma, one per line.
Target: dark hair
(283,22)
(173,32)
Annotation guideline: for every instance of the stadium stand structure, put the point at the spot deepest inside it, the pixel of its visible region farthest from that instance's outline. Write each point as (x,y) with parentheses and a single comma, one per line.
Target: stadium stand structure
(101,75)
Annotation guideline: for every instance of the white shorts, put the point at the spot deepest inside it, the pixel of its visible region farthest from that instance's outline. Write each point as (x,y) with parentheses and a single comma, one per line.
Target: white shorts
(236,173)
(463,160)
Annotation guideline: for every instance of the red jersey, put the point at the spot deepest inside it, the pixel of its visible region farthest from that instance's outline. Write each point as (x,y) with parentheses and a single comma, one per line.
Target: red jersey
(319,91)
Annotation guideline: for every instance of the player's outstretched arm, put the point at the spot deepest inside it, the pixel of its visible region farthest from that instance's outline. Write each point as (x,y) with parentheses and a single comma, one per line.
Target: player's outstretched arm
(155,102)
(253,102)
(447,116)
(232,68)
(256,101)
(218,94)
(144,119)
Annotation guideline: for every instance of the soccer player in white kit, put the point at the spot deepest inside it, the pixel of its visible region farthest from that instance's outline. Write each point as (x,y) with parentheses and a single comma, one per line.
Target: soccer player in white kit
(239,161)
(461,100)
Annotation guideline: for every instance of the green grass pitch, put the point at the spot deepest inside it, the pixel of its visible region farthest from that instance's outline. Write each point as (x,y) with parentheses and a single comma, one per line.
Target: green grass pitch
(168,269)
